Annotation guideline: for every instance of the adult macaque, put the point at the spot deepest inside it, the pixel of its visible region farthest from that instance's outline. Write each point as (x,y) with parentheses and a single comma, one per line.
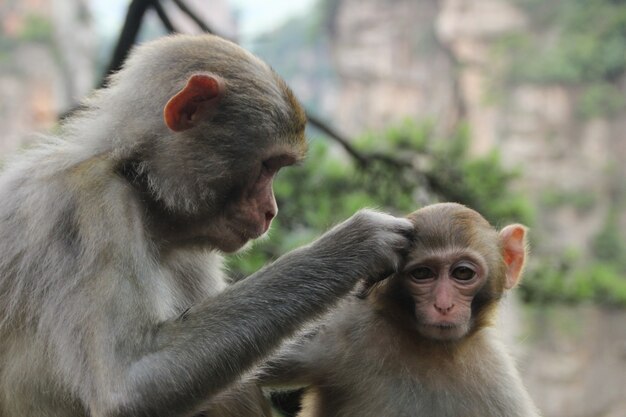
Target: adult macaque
(112,298)
(419,343)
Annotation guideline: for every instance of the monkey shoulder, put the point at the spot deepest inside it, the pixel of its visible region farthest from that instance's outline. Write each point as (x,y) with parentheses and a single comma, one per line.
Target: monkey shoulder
(242,399)
(357,339)
(351,324)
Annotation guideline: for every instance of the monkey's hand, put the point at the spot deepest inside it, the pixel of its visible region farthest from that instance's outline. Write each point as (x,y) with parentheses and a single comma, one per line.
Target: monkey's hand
(371,244)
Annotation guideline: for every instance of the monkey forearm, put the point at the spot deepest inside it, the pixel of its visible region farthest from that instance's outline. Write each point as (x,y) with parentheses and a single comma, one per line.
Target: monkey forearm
(217,340)
(209,347)
(228,334)
(288,369)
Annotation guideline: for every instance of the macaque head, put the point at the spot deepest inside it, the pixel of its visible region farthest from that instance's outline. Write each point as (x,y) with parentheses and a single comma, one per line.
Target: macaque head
(208,127)
(457,270)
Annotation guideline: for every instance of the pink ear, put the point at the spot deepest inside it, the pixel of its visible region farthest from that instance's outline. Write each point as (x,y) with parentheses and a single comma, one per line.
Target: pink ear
(513,240)
(196,101)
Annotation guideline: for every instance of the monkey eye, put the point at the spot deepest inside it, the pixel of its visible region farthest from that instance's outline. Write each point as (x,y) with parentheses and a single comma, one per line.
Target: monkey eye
(269,167)
(463,273)
(275,163)
(422,273)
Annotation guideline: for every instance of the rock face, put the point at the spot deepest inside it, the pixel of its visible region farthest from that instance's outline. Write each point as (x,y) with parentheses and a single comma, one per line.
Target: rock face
(433,59)
(48,58)
(574,362)
(536,127)
(390,65)
(572,359)
(46,64)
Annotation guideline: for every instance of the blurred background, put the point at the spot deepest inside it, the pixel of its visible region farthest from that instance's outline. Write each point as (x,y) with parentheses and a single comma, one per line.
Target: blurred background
(516,108)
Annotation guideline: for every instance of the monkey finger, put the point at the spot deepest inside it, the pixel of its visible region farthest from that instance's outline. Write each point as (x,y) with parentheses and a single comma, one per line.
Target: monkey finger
(366,286)
(407,229)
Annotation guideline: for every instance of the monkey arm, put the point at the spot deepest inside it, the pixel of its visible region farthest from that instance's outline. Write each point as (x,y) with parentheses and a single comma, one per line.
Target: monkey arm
(185,360)
(285,370)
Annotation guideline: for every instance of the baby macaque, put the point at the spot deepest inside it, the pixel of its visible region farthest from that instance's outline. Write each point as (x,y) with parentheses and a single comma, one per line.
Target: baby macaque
(419,343)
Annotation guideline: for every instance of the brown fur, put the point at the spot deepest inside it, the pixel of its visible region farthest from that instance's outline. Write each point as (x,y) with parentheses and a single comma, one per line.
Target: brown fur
(370,357)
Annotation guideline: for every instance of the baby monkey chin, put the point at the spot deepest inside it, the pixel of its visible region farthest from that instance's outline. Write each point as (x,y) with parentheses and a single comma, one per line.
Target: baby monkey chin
(443,331)
(440,329)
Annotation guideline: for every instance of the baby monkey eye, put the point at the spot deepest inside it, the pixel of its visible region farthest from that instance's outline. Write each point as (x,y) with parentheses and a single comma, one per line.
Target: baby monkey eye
(422,273)
(463,273)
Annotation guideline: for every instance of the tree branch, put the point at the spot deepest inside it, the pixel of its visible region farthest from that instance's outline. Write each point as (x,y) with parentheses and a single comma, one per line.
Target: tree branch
(167,23)
(183,7)
(128,36)
(344,142)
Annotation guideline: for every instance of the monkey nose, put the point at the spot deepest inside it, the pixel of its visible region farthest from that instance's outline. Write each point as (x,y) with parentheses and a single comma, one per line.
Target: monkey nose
(444,309)
(269,216)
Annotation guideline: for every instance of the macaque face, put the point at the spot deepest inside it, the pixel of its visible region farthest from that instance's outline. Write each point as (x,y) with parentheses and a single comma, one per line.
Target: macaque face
(244,209)
(231,147)
(442,286)
(457,271)
(251,211)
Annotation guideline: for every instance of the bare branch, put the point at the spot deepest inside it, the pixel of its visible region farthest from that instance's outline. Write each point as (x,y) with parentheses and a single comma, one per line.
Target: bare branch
(183,7)
(345,143)
(167,23)
(128,36)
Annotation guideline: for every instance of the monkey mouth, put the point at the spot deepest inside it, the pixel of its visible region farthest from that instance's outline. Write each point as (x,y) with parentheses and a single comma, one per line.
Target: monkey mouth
(444,331)
(245,232)
(439,327)
(444,326)
(240,233)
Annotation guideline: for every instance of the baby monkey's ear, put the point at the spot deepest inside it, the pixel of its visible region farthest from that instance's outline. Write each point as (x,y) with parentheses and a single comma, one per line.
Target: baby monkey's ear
(514,250)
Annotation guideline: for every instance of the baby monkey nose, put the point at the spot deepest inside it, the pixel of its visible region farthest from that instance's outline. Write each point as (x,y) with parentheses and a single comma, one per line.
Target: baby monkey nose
(444,309)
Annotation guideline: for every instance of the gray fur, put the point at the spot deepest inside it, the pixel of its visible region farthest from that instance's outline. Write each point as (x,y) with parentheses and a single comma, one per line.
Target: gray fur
(101,313)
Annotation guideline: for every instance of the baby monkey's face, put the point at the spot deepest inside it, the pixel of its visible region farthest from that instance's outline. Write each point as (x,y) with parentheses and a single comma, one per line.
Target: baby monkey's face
(442,285)
(457,269)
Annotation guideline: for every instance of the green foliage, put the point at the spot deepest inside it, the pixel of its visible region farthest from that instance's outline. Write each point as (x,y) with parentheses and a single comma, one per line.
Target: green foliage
(601,99)
(37,28)
(7,45)
(583,202)
(568,279)
(589,46)
(573,42)
(609,245)
(481,183)
(330,186)
(548,283)
(542,13)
